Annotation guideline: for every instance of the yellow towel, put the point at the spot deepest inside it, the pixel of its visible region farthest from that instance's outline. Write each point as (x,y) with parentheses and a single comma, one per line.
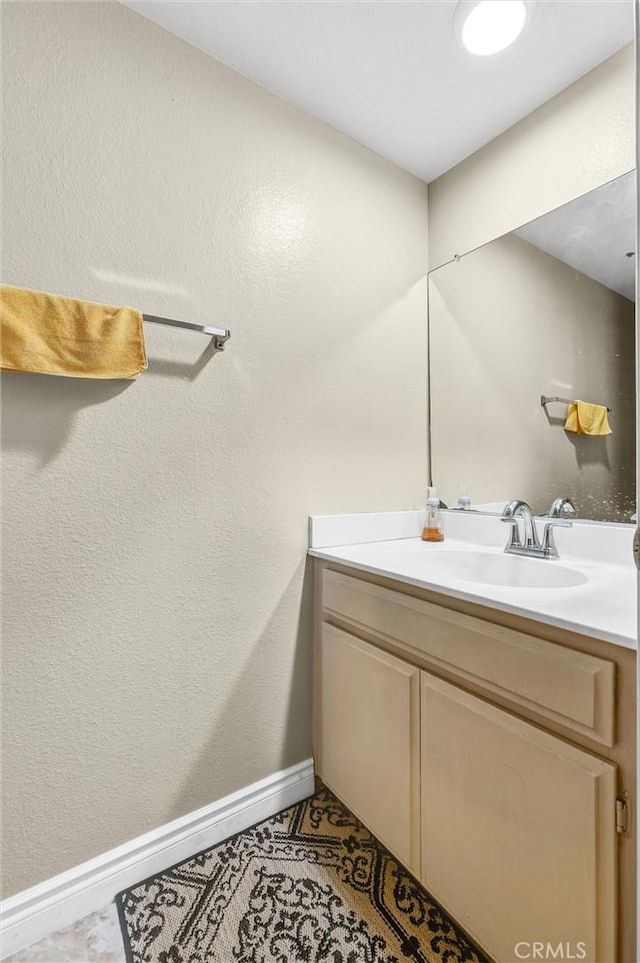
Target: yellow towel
(587,419)
(48,334)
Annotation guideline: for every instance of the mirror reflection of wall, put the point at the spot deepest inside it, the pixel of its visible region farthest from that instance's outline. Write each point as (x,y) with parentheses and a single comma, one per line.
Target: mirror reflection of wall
(544,310)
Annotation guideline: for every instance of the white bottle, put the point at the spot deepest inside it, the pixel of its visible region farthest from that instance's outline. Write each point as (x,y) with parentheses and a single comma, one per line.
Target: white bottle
(464,499)
(432,531)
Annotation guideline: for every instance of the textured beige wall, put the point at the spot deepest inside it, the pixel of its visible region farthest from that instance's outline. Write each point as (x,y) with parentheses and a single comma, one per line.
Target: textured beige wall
(509,323)
(577,141)
(157,625)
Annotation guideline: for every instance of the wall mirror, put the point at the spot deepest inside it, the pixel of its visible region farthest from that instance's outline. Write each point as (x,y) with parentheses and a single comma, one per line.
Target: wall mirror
(546,310)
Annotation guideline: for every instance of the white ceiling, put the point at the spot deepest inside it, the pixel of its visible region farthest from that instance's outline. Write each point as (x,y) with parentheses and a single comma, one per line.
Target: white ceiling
(593,234)
(391,74)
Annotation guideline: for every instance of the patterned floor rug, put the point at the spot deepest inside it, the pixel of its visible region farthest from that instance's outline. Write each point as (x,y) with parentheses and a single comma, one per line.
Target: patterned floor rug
(310,885)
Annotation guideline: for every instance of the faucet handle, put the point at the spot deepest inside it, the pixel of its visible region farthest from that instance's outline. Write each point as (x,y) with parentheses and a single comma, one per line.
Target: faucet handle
(515,531)
(548,542)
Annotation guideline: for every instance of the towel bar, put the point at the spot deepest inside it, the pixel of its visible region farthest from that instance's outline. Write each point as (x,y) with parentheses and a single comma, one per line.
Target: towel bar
(220,335)
(545,399)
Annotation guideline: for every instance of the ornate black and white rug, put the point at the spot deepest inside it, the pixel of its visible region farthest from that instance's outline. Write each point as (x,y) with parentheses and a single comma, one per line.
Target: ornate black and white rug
(310,885)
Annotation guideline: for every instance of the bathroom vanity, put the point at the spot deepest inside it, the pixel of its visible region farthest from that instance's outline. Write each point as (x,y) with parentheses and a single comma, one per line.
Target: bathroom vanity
(488,745)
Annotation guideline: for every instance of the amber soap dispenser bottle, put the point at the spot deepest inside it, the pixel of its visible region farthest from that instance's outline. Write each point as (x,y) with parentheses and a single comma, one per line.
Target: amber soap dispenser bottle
(432,531)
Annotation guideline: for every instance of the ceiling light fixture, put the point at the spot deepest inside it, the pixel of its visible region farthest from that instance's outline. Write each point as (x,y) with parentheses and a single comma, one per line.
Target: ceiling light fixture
(486,27)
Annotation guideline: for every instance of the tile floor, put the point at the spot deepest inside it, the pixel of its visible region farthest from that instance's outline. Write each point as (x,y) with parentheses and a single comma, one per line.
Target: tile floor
(94,939)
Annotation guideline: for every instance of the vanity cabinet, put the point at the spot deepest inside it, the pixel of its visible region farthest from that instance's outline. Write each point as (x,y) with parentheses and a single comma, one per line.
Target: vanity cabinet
(487,759)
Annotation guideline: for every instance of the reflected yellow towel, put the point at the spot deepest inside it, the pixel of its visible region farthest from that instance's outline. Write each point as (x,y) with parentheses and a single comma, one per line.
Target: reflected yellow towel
(49,334)
(587,419)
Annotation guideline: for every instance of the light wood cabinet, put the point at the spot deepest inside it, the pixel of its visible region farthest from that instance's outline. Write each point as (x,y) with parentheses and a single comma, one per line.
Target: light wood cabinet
(486,757)
(368,744)
(518,829)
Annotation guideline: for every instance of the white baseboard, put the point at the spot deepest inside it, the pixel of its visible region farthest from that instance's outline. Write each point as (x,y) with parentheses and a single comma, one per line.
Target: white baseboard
(37,912)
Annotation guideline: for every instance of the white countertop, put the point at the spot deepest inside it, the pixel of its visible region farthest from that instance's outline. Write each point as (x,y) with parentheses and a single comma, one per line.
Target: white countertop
(604,606)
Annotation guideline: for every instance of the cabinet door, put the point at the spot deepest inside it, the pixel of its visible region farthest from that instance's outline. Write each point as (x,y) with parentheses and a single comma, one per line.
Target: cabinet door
(518,831)
(368,735)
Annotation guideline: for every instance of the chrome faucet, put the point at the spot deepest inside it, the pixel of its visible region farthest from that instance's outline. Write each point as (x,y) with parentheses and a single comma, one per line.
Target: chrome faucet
(530,545)
(562,507)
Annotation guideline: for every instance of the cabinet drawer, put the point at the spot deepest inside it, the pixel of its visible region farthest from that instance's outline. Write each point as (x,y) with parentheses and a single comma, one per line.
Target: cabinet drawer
(571,688)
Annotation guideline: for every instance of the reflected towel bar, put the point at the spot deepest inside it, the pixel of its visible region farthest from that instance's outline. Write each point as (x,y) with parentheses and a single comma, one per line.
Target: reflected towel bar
(220,335)
(545,399)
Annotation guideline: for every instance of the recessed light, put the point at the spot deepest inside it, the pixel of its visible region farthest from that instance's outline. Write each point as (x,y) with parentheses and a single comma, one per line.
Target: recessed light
(486,27)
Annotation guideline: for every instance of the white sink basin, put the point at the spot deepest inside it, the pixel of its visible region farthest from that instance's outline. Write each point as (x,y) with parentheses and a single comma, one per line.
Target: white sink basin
(488,568)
